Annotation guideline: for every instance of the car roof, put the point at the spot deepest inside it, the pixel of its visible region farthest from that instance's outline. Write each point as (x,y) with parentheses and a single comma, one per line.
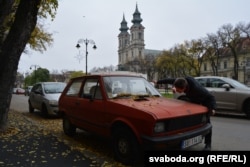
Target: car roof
(45,83)
(48,82)
(111,74)
(211,77)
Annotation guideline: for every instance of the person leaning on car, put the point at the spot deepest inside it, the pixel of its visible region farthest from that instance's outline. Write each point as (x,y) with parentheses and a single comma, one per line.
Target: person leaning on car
(195,93)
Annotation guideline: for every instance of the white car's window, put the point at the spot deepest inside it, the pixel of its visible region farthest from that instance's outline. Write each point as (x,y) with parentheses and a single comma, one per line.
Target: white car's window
(50,88)
(235,83)
(203,82)
(37,88)
(217,83)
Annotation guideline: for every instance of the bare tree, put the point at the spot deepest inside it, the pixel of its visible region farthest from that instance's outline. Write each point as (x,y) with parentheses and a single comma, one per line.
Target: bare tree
(244,29)
(213,49)
(230,38)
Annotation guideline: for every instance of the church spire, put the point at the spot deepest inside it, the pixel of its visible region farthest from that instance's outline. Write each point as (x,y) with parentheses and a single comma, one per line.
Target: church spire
(124,27)
(137,16)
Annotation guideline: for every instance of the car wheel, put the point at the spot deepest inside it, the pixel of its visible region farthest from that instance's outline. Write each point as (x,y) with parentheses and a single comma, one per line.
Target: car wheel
(44,111)
(31,109)
(125,145)
(68,128)
(247,109)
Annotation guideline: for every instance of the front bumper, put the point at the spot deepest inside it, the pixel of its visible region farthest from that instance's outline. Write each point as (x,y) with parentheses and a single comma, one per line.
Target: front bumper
(173,141)
(53,110)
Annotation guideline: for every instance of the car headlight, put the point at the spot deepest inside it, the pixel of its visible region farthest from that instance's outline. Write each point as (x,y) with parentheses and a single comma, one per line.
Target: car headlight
(159,127)
(53,103)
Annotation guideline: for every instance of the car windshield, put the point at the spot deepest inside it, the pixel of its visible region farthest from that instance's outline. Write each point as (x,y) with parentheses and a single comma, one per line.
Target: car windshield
(237,84)
(54,87)
(126,86)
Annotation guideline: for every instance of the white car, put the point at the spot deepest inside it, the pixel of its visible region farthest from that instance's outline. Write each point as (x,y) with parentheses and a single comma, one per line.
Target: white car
(44,97)
(232,97)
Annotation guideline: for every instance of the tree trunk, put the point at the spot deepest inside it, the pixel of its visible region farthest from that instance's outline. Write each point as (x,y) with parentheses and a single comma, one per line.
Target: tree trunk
(5,10)
(11,51)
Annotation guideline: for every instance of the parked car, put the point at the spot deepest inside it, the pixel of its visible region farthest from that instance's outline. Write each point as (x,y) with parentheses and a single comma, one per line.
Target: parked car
(232,97)
(44,97)
(18,91)
(131,112)
(27,90)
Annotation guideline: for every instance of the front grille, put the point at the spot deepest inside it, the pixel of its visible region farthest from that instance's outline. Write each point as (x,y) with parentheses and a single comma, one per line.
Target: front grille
(184,122)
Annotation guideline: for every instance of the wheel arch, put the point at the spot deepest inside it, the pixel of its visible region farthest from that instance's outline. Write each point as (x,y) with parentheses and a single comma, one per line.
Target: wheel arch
(246,107)
(126,125)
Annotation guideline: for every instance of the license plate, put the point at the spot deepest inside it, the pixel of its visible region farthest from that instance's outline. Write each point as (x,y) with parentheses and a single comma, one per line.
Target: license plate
(192,141)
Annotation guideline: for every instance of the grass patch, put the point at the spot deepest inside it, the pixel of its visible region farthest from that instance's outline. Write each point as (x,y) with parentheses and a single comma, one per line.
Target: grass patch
(167,95)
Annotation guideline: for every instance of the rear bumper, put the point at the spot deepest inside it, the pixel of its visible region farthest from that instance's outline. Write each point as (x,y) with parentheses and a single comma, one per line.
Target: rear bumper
(173,141)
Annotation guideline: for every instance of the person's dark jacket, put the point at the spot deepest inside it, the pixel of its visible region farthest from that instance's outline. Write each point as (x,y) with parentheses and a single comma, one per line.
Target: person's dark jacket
(195,92)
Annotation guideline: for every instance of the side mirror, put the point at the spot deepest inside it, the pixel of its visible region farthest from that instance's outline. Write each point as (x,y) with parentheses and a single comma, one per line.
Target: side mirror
(226,86)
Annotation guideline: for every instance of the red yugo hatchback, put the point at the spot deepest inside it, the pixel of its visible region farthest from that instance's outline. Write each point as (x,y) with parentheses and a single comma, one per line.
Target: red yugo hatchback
(131,112)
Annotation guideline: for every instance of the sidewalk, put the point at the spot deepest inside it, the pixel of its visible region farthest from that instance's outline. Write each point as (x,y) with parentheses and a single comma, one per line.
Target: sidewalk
(25,144)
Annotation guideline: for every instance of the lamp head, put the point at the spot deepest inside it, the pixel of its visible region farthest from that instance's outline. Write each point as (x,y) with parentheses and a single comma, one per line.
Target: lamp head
(78,46)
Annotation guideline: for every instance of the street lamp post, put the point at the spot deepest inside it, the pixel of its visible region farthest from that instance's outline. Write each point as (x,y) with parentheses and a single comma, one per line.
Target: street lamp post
(86,42)
(35,66)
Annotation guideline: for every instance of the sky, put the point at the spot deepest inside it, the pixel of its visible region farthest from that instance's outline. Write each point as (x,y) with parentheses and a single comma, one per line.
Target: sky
(166,22)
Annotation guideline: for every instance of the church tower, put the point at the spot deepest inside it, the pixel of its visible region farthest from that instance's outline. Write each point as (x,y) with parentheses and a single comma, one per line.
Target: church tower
(137,37)
(124,37)
(131,45)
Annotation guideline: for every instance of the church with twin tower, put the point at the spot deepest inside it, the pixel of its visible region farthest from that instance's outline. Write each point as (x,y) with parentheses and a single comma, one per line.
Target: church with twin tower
(131,47)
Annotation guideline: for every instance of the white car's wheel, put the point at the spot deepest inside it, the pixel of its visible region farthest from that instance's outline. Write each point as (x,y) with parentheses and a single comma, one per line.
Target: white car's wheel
(31,109)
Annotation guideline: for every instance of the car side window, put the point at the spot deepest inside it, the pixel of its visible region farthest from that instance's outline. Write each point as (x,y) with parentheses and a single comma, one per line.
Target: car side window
(74,88)
(37,88)
(92,89)
(217,83)
(40,89)
(203,82)
(34,88)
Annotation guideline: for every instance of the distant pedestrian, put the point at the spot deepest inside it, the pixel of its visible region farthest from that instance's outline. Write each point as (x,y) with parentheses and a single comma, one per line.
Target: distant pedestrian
(195,93)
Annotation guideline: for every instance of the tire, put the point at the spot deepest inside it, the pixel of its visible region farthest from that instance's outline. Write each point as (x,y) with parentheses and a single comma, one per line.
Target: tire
(126,147)
(31,109)
(45,111)
(247,109)
(68,128)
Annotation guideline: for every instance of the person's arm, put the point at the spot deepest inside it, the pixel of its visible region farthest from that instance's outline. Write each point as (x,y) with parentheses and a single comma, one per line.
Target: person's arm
(166,81)
(212,106)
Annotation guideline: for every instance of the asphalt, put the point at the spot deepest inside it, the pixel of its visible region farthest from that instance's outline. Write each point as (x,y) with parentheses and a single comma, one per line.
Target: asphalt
(26,144)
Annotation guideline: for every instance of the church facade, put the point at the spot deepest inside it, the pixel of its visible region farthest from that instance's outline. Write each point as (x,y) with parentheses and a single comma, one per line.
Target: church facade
(132,55)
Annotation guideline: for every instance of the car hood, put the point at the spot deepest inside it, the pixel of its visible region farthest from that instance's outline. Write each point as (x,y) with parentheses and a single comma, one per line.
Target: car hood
(162,107)
(54,96)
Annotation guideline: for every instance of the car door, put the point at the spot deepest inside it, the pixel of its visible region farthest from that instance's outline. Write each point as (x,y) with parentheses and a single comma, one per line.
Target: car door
(91,105)
(70,100)
(225,97)
(36,96)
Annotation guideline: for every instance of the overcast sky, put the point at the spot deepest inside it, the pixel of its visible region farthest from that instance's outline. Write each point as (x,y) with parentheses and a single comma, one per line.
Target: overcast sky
(166,22)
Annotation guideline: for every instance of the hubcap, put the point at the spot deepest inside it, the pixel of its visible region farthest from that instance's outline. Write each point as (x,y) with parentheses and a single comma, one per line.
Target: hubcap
(123,146)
